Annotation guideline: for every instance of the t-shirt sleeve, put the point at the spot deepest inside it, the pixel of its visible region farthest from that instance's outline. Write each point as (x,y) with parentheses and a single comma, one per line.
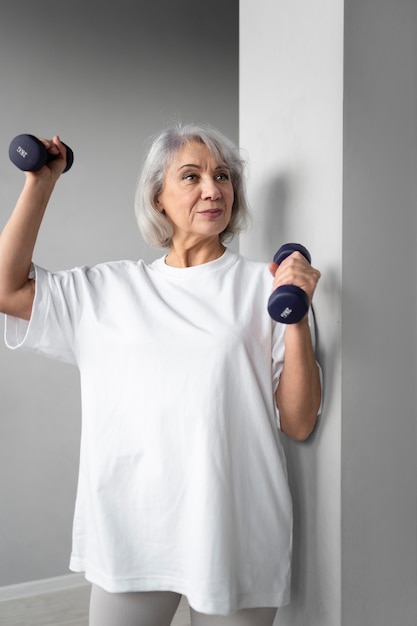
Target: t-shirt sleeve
(55,315)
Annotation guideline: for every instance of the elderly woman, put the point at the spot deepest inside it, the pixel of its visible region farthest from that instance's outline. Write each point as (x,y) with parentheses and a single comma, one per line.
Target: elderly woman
(186,384)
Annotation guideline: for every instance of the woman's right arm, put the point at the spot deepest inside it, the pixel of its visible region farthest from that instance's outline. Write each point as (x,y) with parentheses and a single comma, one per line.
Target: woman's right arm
(18,238)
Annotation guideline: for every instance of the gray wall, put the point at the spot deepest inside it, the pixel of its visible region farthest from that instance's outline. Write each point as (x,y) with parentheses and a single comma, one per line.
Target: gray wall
(379,336)
(105,76)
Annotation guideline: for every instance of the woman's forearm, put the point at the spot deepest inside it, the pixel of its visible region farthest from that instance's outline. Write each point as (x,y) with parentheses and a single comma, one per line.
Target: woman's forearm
(17,243)
(299,390)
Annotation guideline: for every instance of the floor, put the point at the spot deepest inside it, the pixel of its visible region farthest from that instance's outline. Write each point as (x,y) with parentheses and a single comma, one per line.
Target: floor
(61,608)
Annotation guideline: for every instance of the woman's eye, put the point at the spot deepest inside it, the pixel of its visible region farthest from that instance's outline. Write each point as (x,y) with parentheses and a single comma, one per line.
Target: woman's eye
(192,176)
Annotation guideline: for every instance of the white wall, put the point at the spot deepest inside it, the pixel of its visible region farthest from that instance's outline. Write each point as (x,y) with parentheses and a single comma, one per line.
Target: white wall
(105,76)
(291,99)
(328,115)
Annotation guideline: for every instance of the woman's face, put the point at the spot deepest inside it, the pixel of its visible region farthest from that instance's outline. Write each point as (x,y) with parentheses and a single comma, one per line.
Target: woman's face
(198,194)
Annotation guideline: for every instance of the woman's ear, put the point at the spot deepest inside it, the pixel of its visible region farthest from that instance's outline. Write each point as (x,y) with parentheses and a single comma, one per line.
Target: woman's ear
(159,206)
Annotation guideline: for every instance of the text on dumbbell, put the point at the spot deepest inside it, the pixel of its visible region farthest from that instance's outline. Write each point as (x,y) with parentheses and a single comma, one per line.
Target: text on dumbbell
(22,152)
(286,312)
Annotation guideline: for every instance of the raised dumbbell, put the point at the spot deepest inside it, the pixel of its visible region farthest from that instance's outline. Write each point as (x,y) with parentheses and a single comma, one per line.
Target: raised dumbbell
(29,154)
(288,304)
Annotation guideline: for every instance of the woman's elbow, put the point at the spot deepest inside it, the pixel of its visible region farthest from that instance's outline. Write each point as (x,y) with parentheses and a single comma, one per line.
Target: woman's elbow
(301,426)
(298,433)
(18,303)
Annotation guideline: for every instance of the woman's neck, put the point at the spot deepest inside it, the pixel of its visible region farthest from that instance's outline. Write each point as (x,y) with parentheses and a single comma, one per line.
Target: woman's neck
(181,255)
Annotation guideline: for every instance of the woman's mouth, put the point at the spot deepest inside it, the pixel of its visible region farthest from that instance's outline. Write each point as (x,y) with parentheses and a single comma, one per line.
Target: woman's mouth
(212,212)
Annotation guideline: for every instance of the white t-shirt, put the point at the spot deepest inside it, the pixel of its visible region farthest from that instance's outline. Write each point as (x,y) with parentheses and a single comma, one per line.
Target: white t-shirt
(182,484)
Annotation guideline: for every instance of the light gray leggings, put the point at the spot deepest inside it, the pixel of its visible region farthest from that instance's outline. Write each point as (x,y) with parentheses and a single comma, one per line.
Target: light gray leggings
(157,608)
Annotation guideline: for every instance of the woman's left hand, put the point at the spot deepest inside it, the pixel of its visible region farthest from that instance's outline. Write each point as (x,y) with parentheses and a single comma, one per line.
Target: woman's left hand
(295,270)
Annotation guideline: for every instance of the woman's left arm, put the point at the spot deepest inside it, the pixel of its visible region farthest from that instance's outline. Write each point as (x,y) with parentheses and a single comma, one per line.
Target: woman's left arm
(298,394)
(299,390)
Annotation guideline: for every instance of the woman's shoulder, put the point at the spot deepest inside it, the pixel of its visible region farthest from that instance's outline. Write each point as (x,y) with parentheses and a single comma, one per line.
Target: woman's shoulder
(95,277)
(123,266)
(119,268)
(250,265)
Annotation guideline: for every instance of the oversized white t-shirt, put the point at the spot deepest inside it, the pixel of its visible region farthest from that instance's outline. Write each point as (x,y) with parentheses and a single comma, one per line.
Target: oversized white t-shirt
(182,482)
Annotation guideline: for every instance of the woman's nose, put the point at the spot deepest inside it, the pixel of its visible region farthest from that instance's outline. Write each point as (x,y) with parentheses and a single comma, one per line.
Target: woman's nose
(210,191)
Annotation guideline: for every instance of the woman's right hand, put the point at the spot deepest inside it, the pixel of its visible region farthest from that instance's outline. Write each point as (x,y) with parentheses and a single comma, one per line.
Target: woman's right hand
(53,169)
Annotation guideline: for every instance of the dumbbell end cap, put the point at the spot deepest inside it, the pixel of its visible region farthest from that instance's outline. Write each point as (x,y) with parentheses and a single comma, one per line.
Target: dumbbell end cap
(70,158)
(289,248)
(27,153)
(288,304)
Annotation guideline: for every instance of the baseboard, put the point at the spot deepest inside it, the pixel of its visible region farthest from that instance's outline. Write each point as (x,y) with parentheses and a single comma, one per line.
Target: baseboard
(39,587)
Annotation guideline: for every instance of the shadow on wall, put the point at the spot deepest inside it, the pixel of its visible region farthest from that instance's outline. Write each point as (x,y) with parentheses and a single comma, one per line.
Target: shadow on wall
(276,205)
(302,458)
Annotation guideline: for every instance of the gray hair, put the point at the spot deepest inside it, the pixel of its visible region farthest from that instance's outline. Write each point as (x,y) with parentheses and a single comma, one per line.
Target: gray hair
(154,226)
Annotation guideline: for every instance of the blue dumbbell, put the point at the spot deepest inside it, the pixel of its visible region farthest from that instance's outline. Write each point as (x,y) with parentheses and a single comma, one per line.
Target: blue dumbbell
(29,154)
(288,304)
